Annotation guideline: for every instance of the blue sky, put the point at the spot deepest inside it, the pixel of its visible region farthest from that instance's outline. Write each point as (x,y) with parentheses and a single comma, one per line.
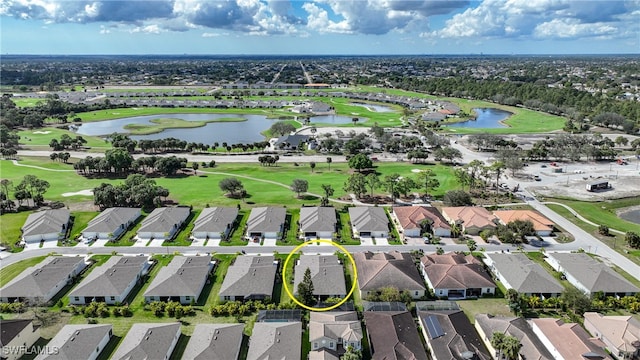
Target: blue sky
(360,27)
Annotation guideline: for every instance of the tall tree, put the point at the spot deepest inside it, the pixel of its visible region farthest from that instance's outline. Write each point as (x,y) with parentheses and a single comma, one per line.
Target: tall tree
(328,192)
(232,186)
(427,178)
(373,181)
(305,289)
(329,161)
(357,184)
(299,186)
(390,183)
(360,162)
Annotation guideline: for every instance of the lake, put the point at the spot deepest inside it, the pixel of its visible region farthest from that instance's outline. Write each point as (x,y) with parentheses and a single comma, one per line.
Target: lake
(230,132)
(486,118)
(373,107)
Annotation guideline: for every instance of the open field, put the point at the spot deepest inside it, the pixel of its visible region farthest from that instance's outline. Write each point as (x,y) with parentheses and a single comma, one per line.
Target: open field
(10,225)
(27,102)
(171,123)
(203,189)
(120,113)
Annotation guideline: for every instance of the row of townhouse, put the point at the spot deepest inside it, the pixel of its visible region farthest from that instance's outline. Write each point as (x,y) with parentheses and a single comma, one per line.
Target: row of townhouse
(269,222)
(391,331)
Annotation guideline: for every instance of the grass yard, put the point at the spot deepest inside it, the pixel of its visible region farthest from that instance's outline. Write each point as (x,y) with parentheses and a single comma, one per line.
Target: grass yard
(604,212)
(495,306)
(80,221)
(7,273)
(43,136)
(614,241)
(10,225)
(182,239)
(235,238)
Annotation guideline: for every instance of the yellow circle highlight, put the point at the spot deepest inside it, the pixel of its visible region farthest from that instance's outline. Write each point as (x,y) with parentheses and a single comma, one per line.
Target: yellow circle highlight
(284,275)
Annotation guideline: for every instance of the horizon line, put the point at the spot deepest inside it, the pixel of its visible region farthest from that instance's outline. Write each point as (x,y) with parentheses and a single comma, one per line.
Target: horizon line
(274,55)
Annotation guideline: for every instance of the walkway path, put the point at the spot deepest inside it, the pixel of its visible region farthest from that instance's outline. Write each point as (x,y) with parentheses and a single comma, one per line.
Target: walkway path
(16,163)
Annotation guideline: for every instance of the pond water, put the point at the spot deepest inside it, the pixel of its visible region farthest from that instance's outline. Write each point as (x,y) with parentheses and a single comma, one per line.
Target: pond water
(373,107)
(631,215)
(485,118)
(231,132)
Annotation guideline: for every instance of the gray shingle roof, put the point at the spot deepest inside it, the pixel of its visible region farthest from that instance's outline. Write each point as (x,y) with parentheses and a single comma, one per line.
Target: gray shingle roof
(327,274)
(459,335)
(111,278)
(272,340)
(250,275)
(380,270)
(367,218)
(38,280)
(164,219)
(317,219)
(9,329)
(335,325)
(45,222)
(76,341)
(525,275)
(593,274)
(215,219)
(184,276)
(532,347)
(147,341)
(214,342)
(393,335)
(266,219)
(111,219)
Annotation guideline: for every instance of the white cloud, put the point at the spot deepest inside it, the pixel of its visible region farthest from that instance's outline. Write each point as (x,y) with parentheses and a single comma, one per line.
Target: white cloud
(104,30)
(571,28)
(148,29)
(209,35)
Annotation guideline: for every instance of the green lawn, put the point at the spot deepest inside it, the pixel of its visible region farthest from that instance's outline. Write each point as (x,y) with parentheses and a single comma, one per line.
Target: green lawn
(27,102)
(43,136)
(604,212)
(80,221)
(7,273)
(182,239)
(203,189)
(10,225)
(495,306)
(120,113)
(615,241)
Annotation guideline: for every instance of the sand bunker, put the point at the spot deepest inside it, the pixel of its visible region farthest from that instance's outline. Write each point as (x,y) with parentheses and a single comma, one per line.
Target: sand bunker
(87,192)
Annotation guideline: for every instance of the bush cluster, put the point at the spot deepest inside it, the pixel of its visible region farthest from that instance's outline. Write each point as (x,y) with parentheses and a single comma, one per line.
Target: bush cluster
(171,308)
(14,307)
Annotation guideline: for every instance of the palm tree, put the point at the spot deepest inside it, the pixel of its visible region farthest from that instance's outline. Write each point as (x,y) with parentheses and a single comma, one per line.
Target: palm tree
(329,161)
(511,348)
(497,342)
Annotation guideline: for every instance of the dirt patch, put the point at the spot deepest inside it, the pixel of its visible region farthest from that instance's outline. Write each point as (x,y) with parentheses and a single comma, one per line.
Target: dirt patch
(622,187)
(83,206)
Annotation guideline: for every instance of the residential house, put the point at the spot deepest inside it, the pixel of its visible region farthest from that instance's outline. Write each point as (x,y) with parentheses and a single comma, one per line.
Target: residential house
(392,269)
(148,341)
(249,278)
(266,222)
(620,334)
(590,275)
(215,342)
(163,223)
(291,142)
(531,347)
(46,225)
(214,223)
(518,272)
(332,332)
(276,340)
(449,333)
(111,223)
(471,219)
(456,276)
(541,225)
(369,222)
(182,280)
(40,283)
(327,275)
(413,219)
(84,341)
(17,337)
(317,222)
(393,335)
(111,282)
(567,341)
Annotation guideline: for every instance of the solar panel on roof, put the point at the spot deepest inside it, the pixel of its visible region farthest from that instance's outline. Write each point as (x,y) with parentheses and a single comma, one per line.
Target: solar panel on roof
(433,327)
